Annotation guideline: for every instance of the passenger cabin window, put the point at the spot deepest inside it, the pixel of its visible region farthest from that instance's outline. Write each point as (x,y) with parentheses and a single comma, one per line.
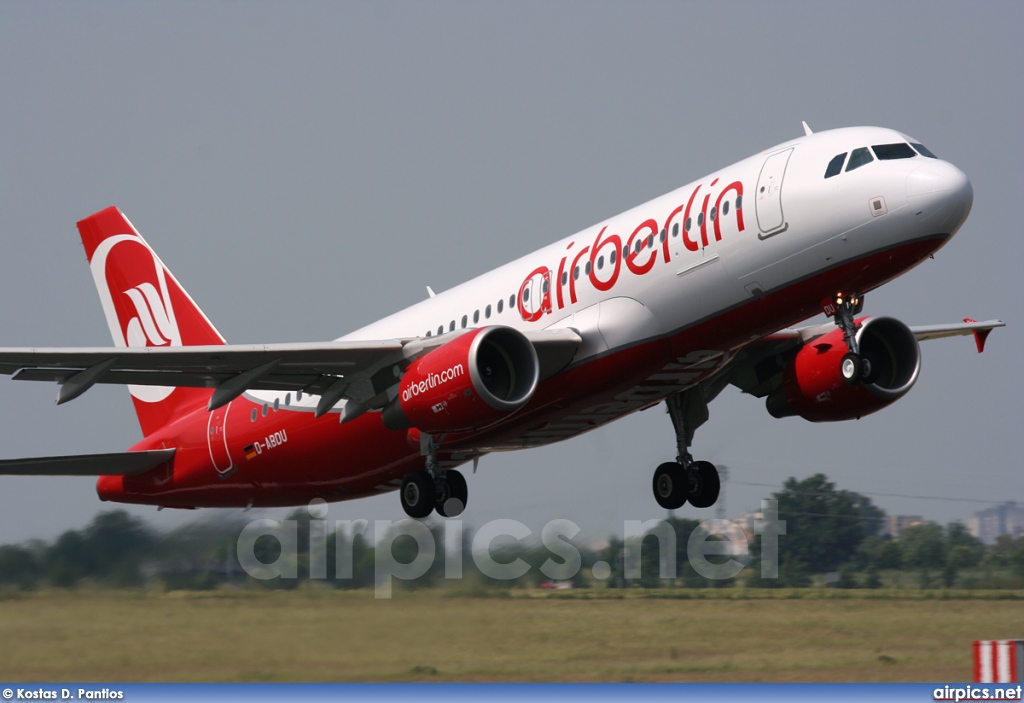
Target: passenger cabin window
(858,158)
(835,165)
(465,321)
(891,152)
(487,312)
(476,316)
(923,150)
(501,305)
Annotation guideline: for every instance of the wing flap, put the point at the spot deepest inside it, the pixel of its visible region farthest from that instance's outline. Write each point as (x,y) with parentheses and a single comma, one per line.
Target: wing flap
(114,464)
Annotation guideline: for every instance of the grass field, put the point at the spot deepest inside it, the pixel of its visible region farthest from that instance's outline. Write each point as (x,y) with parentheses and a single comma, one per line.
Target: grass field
(729,635)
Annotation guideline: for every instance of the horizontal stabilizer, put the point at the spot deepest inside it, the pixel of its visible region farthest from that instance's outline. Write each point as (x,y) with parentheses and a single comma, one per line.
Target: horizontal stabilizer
(115,464)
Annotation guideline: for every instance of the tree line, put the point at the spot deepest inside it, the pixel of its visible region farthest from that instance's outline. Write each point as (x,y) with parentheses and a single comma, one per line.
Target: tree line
(832,538)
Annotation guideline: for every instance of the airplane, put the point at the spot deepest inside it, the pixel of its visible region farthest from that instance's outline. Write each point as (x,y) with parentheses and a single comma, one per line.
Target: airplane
(669,302)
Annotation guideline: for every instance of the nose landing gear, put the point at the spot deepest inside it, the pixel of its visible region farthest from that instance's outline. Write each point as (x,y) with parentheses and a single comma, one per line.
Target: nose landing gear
(854,367)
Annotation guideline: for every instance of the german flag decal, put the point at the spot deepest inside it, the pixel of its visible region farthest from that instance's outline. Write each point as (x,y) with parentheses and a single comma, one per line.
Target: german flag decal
(250,451)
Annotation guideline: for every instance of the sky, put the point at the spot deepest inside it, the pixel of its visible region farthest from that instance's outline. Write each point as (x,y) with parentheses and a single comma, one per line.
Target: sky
(306,168)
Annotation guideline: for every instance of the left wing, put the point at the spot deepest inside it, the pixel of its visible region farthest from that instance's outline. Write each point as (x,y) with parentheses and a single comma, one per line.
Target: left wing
(756,369)
(980,330)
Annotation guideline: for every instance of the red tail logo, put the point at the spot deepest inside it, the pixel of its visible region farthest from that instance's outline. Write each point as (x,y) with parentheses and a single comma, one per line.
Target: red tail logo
(145,306)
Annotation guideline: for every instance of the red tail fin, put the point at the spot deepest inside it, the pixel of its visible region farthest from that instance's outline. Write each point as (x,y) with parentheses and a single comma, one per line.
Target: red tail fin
(145,307)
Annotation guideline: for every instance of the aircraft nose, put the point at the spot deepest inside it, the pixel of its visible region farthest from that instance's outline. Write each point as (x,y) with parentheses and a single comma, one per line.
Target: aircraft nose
(936,176)
(938,189)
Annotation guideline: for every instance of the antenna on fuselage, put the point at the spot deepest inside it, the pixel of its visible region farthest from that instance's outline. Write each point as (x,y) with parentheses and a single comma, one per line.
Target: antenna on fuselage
(807,130)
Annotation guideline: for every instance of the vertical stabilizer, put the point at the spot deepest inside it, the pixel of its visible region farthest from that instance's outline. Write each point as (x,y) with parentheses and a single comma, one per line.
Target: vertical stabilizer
(145,306)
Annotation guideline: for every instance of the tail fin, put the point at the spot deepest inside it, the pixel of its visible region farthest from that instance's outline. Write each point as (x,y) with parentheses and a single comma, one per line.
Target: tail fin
(145,307)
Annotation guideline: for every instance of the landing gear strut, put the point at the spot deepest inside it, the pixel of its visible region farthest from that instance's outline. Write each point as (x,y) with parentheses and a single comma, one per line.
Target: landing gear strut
(433,488)
(853,367)
(685,479)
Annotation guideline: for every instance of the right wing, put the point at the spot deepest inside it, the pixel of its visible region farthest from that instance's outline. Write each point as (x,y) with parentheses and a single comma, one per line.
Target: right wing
(361,371)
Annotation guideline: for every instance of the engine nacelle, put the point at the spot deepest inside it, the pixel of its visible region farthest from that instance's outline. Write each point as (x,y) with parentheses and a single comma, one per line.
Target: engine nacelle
(813,386)
(467,384)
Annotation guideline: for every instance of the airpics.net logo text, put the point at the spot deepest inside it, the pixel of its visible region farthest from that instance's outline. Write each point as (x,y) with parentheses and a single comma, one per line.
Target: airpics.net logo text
(717,537)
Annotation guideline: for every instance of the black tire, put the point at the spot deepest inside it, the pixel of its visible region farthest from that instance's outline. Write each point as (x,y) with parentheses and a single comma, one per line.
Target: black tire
(850,368)
(670,486)
(703,484)
(417,494)
(455,490)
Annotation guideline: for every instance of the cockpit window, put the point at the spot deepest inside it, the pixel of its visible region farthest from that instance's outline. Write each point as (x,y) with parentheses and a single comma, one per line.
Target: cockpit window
(889,152)
(923,150)
(835,165)
(858,158)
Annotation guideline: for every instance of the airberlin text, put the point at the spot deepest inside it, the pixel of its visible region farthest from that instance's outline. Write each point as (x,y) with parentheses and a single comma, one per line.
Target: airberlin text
(639,251)
(432,381)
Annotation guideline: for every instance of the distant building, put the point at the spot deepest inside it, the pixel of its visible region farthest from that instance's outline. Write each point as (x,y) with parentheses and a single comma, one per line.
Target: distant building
(1005,519)
(749,523)
(895,524)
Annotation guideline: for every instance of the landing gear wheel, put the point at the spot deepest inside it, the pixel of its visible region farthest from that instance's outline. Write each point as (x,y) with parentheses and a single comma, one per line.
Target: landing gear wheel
(417,494)
(702,484)
(852,367)
(452,500)
(670,486)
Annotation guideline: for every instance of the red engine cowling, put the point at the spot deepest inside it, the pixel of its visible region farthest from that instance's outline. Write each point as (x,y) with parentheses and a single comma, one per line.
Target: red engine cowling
(469,383)
(814,389)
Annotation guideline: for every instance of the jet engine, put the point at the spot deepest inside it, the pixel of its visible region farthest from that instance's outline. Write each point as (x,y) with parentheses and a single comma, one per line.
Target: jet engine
(466,384)
(813,386)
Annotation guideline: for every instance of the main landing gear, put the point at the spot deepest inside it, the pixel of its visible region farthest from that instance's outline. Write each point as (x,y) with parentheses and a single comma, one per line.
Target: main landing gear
(854,367)
(434,488)
(684,480)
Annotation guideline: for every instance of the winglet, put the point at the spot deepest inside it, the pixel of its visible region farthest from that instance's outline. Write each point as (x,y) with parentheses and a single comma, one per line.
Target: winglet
(979,335)
(807,130)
